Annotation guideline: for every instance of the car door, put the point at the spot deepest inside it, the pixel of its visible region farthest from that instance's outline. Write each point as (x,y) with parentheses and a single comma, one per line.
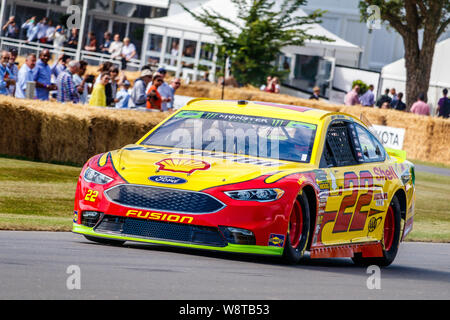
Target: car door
(347,194)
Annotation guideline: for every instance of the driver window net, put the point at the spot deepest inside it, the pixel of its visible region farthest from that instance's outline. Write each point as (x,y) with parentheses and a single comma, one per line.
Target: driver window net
(339,142)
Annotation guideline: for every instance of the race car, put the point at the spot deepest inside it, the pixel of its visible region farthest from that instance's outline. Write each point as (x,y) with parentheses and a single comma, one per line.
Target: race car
(256,178)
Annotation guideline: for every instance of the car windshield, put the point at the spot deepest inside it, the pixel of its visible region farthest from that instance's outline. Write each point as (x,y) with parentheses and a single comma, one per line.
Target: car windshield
(237,134)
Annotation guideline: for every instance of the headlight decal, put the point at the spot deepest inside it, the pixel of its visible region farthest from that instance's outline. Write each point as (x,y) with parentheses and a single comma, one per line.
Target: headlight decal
(259,195)
(93,176)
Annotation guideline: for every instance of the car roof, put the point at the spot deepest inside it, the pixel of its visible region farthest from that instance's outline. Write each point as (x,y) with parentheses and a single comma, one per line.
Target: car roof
(261,109)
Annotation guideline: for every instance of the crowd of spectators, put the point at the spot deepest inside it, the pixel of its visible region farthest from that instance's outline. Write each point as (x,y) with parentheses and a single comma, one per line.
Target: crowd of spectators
(67,81)
(44,31)
(393,100)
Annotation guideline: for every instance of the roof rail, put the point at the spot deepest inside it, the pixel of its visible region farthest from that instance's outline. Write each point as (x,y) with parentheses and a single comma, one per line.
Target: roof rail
(197,99)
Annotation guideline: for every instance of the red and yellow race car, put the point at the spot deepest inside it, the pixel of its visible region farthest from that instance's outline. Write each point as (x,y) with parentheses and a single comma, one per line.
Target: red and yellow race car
(252,177)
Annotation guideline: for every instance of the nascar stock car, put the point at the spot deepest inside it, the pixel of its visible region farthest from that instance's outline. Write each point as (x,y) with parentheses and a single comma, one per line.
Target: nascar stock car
(252,177)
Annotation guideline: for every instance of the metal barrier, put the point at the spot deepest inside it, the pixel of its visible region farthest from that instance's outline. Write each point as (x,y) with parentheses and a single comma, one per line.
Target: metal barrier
(93,58)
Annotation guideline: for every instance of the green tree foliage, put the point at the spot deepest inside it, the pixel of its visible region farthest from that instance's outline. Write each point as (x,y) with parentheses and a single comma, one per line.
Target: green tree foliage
(410,18)
(266,26)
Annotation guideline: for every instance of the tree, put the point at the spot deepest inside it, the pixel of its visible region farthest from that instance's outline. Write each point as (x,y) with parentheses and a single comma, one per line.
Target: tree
(264,29)
(409,18)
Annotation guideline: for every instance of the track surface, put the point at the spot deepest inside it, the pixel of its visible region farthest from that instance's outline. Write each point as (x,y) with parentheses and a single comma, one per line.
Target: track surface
(33,265)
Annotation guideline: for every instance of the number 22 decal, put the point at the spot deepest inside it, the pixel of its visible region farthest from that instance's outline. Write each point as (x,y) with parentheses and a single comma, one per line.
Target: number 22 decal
(343,219)
(91,196)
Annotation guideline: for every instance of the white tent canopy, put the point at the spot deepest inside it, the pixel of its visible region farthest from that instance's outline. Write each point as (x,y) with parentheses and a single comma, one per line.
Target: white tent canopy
(394,75)
(183,26)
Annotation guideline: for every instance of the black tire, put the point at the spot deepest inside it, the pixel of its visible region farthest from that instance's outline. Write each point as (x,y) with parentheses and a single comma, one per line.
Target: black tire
(390,253)
(293,253)
(106,241)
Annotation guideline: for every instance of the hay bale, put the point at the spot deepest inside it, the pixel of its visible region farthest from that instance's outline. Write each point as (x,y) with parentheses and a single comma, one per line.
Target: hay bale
(439,142)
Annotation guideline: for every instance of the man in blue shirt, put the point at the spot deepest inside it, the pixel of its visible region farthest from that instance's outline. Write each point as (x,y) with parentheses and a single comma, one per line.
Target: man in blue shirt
(25,75)
(174,86)
(5,74)
(368,98)
(43,76)
(32,29)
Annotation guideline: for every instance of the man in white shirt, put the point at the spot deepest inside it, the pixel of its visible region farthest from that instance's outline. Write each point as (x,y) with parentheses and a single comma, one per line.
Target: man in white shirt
(164,90)
(25,75)
(115,49)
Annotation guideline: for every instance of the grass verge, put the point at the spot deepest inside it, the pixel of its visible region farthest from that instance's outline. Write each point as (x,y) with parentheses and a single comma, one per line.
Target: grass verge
(39,197)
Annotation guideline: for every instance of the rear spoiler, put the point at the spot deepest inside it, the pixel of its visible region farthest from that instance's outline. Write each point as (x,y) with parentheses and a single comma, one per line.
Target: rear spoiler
(397,153)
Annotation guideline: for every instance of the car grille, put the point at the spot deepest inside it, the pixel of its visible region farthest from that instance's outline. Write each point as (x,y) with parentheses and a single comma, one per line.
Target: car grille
(164,199)
(157,230)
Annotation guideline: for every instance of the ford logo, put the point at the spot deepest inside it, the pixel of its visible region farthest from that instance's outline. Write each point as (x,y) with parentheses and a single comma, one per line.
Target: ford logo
(167,180)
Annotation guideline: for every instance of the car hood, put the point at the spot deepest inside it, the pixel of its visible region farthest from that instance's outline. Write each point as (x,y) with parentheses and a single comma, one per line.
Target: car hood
(194,170)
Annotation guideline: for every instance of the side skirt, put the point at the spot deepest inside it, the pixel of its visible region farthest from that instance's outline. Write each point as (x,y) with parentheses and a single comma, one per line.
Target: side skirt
(367,250)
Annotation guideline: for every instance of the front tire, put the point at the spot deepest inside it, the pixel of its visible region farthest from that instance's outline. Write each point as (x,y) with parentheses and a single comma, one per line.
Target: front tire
(391,238)
(298,231)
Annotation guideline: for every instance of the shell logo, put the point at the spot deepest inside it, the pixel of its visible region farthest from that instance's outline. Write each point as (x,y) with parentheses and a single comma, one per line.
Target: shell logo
(188,166)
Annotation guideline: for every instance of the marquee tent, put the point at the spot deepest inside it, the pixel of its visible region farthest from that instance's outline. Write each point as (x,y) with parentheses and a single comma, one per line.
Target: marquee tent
(184,30)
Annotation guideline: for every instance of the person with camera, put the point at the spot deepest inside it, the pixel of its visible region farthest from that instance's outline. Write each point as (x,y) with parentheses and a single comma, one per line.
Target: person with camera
(83,82)
(154,99)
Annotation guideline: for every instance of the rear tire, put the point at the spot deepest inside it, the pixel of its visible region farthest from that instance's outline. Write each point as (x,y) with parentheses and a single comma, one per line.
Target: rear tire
(298,231)
(391,238)
(106,241)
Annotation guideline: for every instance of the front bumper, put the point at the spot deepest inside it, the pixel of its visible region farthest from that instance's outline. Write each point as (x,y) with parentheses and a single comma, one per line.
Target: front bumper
(232,248)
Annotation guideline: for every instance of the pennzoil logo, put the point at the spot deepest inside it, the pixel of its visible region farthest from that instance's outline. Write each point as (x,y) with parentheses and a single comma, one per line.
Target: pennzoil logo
(188,166)
(159,216)
(276,240)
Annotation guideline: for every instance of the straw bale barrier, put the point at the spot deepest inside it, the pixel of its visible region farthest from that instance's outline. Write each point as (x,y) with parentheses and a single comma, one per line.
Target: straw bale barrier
(53,132)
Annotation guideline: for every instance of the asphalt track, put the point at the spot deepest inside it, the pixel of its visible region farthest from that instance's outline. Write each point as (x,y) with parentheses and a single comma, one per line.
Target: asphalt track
(34,265)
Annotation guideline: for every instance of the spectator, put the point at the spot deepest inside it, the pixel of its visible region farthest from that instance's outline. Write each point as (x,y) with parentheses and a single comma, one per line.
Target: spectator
(316,94)
(174,53)
(72,42)
(10,29)
(60,65)
(42,31)
(123,97)
(82,81)
(128,52)
(59,38)
(443,109)
(155,101)
(91,43)
(104,48)
(265,86)
(393,95)
(138,94)
(421,107)
(164,90)
(104,67)
(14,69)
(115,49)
(50,33)
(385,105)
(5,73)
(273,86)
(384,98)
(98,97)
(32,29)
(111,87)
(25,75)
(368,98)
(43,76)
(399,104)
(67,91)
(174,86)
(351,99)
